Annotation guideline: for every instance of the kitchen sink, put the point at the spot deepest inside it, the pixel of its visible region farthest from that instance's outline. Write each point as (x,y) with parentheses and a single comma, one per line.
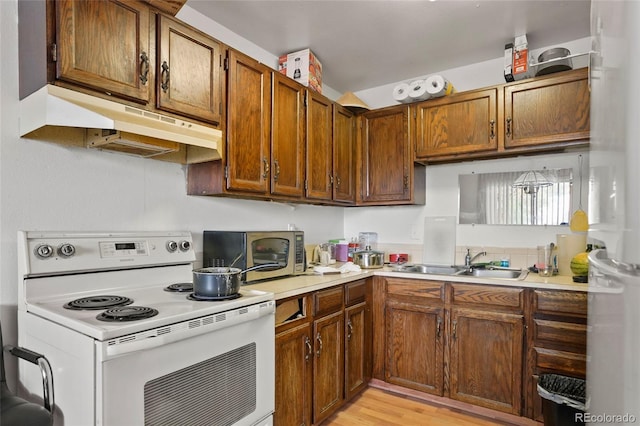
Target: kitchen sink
(507,274)
(429,269)
(491,272)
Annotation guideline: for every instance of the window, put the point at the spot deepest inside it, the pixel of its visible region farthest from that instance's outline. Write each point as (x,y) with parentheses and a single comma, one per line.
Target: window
(492,199)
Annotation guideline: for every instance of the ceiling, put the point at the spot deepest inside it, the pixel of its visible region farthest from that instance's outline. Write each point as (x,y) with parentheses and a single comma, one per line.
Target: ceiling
(365,44)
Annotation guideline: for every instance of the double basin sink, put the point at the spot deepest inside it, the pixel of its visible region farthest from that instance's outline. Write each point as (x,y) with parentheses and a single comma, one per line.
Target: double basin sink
(473,271)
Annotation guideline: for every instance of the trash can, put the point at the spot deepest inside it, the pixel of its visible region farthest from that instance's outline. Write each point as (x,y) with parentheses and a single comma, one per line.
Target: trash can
(563,400)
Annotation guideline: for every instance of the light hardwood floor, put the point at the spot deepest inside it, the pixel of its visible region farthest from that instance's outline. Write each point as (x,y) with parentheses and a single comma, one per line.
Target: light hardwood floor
(376,407)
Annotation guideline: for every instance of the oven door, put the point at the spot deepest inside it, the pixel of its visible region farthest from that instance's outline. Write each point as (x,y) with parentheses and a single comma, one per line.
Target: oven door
(215,370)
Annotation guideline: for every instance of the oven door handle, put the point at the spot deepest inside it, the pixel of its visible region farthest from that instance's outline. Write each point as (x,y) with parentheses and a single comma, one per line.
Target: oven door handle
(125,346)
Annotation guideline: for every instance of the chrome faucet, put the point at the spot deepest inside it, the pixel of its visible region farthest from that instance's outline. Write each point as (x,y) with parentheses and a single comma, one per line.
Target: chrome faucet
(468,259)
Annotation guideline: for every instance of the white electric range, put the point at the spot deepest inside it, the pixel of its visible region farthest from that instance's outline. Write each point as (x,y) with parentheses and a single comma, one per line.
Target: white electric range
(115,315)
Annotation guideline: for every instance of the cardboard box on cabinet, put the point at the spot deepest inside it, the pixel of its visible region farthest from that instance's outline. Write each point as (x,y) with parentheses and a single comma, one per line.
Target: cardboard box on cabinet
(304,67)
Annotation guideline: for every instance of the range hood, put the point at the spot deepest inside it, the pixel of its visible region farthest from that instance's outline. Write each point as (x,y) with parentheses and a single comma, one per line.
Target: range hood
(122,125)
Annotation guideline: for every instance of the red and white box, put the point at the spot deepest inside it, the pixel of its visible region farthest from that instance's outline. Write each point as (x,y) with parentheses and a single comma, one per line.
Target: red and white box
(304,67)
(520,66)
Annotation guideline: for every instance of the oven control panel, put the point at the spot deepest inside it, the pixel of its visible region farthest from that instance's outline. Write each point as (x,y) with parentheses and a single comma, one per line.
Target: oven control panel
(44,253)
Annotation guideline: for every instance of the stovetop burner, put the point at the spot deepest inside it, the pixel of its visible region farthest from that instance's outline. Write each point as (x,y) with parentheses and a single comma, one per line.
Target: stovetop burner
(98,302)
(127,313)
(199,298)
(180,287)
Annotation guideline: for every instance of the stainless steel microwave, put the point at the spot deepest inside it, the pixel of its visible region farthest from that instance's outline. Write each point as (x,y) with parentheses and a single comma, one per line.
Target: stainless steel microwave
(280,253)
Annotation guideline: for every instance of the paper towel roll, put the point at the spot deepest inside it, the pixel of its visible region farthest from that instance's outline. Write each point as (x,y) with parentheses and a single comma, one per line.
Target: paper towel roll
(401,93)
(438,86)
(418,91)
(568,246)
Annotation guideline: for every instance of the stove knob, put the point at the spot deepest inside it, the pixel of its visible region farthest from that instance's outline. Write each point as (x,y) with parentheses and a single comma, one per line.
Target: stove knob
(43,251)
(172,246)
(66,250)
(185,245)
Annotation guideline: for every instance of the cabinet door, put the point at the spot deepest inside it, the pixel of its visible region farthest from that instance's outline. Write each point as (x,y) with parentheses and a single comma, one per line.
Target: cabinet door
(387,156)
(548,110)
(328,367)
(287,137)
(486,359)
(189,73)
(344,155)
(293,369)
(104,45)
(319,147)
(415,354)
(355,349)
(461,124)
(248,124)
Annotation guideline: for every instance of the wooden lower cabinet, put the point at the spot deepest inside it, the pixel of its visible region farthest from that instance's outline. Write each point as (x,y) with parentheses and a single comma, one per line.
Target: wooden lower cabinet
(414,356)
(294,373)
(323,357)
(479,344)
(486,359)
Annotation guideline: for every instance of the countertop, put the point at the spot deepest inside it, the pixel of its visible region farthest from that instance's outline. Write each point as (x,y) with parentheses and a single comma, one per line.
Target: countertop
(309,282)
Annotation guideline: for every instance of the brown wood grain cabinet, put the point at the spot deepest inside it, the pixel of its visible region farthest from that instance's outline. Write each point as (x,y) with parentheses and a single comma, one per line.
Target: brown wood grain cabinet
(480,344)
(323,356)
(189,72)
(344,155)
(387,172)
(414,329)
(463,124)
(319,152)
(105,46)
(549,113)
(557,341)
(287,137)
(144,56)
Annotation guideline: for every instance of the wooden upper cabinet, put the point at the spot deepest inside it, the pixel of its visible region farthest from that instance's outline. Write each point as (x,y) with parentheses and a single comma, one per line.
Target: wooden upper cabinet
(344,155)
(189,72)
(104,45)
(248,130)
(548,110)
(319,147)
(287,137)
(387,157)
(460,124)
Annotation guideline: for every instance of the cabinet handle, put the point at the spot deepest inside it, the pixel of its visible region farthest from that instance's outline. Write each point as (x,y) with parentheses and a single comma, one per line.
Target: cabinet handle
(265,169)
(337,182)
(277,175)
(319,339)
(405,182)
(349,330)
(492,125)
(330,179)
(439,327)
(455,329)
(144,68)
(307,342)
(509,126)
(165,77)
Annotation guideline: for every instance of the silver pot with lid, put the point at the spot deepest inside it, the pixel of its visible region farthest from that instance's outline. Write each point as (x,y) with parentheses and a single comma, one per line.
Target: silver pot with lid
(368,259)
(557,64)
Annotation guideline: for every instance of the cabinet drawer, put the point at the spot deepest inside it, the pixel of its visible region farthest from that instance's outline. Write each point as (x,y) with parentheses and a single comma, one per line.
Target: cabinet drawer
(328,301)
(560,302)
(567,363)
(561,333)
(292,312)
(355,292)
(416,289)
(493,296)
